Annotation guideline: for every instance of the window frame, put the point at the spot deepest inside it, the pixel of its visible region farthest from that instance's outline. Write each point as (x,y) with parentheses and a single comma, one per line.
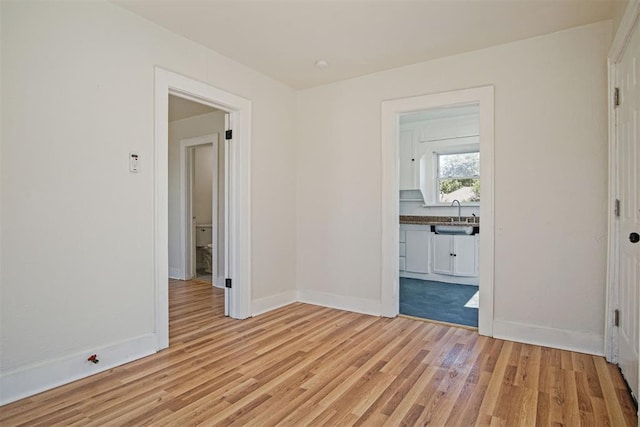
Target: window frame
(430,181)
(438,179)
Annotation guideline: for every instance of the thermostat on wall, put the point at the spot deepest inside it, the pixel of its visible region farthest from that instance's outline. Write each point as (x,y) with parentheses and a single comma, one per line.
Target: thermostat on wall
(134,162)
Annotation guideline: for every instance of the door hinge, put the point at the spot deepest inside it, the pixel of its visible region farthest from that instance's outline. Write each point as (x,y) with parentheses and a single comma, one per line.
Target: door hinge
(616,97)
(228,134)
(227,283)
(616,317)
(616,208)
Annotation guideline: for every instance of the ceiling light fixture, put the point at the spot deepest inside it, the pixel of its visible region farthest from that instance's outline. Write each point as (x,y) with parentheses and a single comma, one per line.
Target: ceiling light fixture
(321,63)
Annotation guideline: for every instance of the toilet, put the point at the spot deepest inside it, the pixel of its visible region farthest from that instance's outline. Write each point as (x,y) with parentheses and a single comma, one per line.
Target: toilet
(204,248)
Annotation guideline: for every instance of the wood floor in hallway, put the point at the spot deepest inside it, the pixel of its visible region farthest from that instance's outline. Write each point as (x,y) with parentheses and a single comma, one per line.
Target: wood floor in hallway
(308,365)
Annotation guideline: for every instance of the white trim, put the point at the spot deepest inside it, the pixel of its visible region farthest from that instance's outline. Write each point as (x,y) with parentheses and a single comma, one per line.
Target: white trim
(34,379)
(263,305)
(443,278)
(186,233)
(611,295)
(239,186)
(340,302)
(562,339)
(175,273)
(621,37)
(390,195)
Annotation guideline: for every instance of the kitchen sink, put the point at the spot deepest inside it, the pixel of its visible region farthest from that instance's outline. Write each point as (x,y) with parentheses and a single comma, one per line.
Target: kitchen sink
(454,229)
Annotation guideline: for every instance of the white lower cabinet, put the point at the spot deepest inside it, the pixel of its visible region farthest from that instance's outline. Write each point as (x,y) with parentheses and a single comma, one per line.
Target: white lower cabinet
(455,255)
(417,251)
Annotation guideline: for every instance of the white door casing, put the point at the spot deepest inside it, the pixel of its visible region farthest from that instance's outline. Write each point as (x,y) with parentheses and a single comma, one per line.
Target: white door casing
(227,198)
(390,273)
(239,182)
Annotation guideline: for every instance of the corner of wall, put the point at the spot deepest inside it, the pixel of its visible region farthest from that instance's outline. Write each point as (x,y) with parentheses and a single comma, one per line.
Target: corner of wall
(263,305)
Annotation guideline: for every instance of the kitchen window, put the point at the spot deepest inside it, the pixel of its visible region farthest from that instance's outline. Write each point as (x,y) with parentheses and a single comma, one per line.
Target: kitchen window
(458,177)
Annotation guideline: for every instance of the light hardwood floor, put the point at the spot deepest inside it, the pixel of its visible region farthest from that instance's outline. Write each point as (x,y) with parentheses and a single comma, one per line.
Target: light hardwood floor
(308,365)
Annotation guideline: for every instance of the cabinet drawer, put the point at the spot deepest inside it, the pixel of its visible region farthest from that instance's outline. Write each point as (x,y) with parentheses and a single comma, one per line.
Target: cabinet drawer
(403,263)
(403,236)
(403,249)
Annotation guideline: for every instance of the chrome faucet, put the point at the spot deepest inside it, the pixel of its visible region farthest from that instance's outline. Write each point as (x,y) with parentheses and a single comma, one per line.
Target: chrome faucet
(459,209)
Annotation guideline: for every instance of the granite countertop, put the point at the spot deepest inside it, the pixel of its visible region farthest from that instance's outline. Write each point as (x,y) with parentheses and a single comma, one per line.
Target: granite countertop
(438,220)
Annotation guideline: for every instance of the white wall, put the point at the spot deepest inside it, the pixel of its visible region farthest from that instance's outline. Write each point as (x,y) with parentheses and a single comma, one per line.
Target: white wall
(178,130)
(550,180)
(202,180)
(77,96)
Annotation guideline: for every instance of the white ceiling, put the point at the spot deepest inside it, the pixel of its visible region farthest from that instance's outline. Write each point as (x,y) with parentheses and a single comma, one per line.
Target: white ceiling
(283,39)
(180,108)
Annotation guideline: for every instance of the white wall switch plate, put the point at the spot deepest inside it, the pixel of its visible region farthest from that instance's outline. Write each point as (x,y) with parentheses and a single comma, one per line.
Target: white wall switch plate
(134,162)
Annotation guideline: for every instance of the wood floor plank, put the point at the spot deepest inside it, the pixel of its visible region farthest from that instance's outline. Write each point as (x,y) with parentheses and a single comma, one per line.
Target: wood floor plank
(307,365)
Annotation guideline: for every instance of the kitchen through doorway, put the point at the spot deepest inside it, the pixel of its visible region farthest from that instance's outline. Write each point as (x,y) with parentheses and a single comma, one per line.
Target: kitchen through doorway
(441,252)
(439,206)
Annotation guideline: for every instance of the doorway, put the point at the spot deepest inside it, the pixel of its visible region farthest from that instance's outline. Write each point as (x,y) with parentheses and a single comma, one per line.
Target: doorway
(440,224)
(390,261)
(202,203)
(196,191)
(237,141)
(201,238)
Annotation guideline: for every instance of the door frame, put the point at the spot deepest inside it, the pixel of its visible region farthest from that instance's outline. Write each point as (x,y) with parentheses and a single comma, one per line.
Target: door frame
(187,227)
(630,18)
(239,188)
(390,203)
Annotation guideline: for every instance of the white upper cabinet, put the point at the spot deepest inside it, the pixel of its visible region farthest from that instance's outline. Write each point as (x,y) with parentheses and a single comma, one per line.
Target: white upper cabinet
(408,162)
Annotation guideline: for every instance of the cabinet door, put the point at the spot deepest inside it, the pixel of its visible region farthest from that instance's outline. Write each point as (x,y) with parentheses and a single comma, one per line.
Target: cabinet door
(442,254)
(407,161)
(417,251)
(464,248)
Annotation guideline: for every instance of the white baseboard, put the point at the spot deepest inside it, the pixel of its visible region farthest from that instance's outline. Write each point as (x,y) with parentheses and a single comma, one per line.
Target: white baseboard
(175,273)
(340,302)
(549,337)
(272,302)
(460,280)
(44,376)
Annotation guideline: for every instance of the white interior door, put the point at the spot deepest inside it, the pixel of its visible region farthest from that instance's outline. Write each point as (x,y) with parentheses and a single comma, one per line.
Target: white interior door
(227,216)
(628,162)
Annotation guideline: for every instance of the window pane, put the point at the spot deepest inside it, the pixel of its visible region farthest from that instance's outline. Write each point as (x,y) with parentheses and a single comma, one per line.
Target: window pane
(462,165)
(464,190)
